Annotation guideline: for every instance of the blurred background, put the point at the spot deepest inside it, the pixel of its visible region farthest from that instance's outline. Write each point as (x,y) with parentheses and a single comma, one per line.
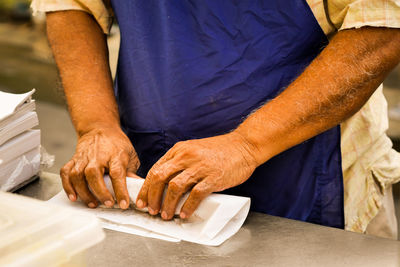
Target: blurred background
(26,62)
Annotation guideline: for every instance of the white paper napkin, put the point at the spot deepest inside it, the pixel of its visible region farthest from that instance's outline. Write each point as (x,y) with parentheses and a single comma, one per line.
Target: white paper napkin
(217,218)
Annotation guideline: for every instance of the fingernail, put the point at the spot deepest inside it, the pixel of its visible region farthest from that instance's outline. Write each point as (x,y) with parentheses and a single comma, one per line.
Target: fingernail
(108,203)
(164,215)
(71,197)
(151,211)
(122,204)
(140,204)
(92,205)
(182,215)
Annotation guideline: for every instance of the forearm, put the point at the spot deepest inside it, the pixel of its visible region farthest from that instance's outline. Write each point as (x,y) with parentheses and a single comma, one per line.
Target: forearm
(335,86)
(80,50)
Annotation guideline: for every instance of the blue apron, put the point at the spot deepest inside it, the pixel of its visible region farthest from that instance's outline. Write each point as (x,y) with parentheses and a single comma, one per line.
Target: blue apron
(193,69)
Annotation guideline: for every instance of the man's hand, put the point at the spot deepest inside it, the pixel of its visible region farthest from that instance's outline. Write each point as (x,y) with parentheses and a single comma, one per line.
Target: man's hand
(100,150)
(80,50)
(203,165)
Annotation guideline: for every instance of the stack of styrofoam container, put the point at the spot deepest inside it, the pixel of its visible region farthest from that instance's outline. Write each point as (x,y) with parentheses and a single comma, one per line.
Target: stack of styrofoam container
(19,142)
(36,233)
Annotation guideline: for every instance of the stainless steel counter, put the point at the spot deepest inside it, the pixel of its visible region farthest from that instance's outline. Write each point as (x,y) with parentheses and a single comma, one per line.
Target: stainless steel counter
(263,241)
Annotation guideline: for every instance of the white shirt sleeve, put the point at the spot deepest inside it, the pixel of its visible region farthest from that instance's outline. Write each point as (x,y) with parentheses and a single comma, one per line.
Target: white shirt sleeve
(97,8)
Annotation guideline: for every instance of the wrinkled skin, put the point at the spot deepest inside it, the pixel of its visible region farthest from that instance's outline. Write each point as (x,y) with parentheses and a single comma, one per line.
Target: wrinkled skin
(330,90)
(203,165)
(99,151)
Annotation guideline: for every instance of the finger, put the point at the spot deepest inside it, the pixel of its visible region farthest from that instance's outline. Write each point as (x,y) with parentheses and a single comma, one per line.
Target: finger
(95,177)
(66,182)
(152,177)
(133,164)
(159,177)
(176,188)
(198,193)
(141,199)
(80,185)
(118,179)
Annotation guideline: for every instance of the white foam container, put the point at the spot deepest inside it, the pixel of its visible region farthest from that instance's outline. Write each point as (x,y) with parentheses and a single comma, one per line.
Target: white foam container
(37,233)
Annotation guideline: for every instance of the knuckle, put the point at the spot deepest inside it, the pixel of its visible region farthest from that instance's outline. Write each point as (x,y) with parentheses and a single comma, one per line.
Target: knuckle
(124,157)
(175,187)
(116,172)
(197,191)
(75,179)
(179,158)
(150,175)
(187,153)
(179,144)
(63,172)
(90,170)
(188,175)
(157,175)
(195,153)
(200,191)
(74,172)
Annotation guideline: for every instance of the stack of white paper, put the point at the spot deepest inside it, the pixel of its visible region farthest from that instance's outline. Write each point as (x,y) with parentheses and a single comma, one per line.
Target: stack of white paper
(19,144)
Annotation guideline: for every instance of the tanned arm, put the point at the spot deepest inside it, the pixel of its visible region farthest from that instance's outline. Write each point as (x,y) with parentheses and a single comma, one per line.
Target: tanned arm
(80,50)
(336,85)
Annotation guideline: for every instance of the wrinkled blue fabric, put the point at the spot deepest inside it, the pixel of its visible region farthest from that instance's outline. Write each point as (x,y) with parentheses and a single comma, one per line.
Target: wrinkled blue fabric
(193,69)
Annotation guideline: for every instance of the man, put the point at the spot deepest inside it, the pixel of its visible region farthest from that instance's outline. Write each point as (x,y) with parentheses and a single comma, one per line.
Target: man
(237,96)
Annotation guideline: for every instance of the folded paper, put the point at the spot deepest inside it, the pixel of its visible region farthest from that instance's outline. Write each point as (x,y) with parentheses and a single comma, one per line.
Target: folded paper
(217,218)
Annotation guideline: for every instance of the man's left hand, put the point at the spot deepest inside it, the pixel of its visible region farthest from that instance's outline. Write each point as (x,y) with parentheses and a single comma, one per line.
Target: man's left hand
(202,166)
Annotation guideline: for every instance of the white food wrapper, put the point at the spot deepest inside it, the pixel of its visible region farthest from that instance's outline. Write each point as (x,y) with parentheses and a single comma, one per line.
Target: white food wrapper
(217,218)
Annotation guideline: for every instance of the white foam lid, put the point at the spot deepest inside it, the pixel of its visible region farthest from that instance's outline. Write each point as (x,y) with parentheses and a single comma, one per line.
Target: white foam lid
(37,233)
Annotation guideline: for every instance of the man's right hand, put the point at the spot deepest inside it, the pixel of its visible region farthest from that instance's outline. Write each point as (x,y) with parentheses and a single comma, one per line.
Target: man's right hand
(80,50)
(100,150)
